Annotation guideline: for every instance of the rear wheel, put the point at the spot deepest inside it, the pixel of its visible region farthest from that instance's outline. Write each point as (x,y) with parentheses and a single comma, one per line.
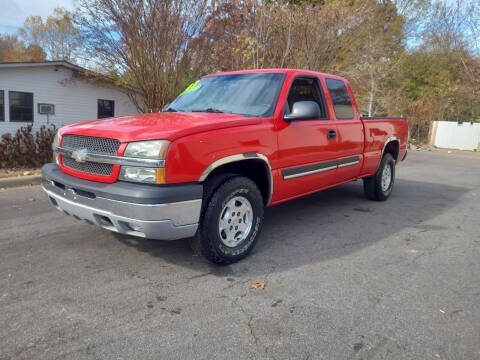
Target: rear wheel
(231,221)
(380,186)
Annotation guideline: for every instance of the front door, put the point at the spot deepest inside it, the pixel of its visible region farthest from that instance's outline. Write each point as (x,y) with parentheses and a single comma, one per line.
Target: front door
(307,148)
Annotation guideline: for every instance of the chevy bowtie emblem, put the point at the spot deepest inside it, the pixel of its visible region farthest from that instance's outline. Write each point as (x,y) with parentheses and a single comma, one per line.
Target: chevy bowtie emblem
(80,155)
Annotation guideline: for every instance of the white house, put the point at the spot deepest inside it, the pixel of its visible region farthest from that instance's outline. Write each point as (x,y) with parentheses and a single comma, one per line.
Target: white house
(55,92)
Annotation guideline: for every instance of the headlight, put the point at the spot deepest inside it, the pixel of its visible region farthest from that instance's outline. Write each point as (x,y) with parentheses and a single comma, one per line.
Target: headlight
(56,142)
(56,139)
(142,174)
(154,149)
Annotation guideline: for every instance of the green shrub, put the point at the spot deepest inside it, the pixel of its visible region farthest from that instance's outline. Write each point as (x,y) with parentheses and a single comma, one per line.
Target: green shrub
(26,150)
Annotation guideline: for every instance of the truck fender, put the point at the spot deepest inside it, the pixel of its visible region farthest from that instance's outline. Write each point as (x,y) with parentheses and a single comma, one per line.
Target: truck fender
(388,141)
(242,157)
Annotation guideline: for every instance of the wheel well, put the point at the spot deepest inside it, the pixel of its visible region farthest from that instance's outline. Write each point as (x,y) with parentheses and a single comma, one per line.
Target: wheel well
(254,169)
(393,147)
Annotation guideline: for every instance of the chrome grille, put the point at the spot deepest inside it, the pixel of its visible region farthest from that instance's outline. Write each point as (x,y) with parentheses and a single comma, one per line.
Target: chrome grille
(93,145)
(88,167)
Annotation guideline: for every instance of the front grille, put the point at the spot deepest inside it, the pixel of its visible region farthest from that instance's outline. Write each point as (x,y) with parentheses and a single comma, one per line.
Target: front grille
(88,167)
(93,145)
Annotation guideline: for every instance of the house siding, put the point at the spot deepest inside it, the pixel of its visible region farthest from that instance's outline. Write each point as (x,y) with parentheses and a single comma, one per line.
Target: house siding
(75,99)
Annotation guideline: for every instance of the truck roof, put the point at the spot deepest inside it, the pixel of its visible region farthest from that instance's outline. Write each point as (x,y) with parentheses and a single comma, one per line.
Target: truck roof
(279,70)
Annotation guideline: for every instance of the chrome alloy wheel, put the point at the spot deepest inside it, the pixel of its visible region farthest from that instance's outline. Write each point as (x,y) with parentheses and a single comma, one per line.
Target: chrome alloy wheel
(386,177)
(235,221)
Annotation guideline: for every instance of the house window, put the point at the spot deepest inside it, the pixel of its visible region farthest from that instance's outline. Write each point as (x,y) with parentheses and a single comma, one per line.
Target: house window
(2,105)
(106,108)
(21,106)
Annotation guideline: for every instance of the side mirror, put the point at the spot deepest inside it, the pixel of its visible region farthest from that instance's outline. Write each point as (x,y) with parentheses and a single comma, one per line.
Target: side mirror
(302,110)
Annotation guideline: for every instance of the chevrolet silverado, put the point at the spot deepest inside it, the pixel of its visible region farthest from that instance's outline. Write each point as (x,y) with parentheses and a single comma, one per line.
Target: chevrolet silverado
(229,145)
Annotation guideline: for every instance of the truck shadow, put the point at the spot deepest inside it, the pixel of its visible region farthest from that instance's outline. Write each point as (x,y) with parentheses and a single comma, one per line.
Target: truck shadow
(324,225)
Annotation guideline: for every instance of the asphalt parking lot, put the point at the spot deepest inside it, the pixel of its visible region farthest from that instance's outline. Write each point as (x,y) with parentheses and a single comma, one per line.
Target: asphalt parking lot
(346,278)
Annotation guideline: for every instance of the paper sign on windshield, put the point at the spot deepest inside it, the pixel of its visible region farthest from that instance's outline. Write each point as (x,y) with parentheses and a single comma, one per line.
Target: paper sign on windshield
(192,87)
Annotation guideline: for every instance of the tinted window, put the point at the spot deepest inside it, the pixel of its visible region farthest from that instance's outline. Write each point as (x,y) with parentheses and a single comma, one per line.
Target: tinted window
(2,105)
(21,106)
(305,89)
(253,94)
(340,98)
(106,108)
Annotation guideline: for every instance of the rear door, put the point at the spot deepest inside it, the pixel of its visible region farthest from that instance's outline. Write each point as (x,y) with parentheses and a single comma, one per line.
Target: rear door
(307,148)
(350,132)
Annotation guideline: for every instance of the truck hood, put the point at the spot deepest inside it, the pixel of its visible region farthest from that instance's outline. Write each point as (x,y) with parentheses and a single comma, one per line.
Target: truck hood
(168,126)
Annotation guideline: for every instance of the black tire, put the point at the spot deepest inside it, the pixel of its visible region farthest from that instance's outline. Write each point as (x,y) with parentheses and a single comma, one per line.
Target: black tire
(207,241)
(373,185)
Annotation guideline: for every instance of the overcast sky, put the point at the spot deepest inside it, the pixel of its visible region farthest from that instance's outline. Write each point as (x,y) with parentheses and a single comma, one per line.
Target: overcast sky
(14,12)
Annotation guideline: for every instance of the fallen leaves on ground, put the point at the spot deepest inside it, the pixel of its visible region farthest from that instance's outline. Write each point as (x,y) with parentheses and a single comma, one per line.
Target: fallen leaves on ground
(6,173)
(258,285)
(450,313)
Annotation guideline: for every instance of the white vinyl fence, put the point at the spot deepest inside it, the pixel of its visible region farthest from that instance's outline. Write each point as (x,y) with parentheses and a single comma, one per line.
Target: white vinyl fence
(453,135)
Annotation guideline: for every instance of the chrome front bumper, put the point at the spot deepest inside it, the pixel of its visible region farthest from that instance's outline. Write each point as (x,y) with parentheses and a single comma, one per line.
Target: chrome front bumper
(161,221)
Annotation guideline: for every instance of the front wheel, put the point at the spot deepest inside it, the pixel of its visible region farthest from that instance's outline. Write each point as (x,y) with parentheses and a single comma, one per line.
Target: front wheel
(231,221)
(380,186)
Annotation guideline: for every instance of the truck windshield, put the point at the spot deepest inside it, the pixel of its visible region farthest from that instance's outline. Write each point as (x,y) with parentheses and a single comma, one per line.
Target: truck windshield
(253,94)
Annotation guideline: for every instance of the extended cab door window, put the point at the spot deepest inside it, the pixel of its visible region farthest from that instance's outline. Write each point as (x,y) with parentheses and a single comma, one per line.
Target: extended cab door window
(306,89)
(342,103)
(349,130)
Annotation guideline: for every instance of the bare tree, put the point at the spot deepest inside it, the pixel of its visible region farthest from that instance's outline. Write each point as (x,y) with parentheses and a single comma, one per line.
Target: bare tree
(148,42)
(473,25)
(11,50)
(57,35)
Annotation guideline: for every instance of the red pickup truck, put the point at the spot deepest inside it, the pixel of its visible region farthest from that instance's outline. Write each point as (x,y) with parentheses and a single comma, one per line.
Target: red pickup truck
(229,145)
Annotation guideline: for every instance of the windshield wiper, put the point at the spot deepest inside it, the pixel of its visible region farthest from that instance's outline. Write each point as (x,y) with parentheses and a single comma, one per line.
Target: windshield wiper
(210,110)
